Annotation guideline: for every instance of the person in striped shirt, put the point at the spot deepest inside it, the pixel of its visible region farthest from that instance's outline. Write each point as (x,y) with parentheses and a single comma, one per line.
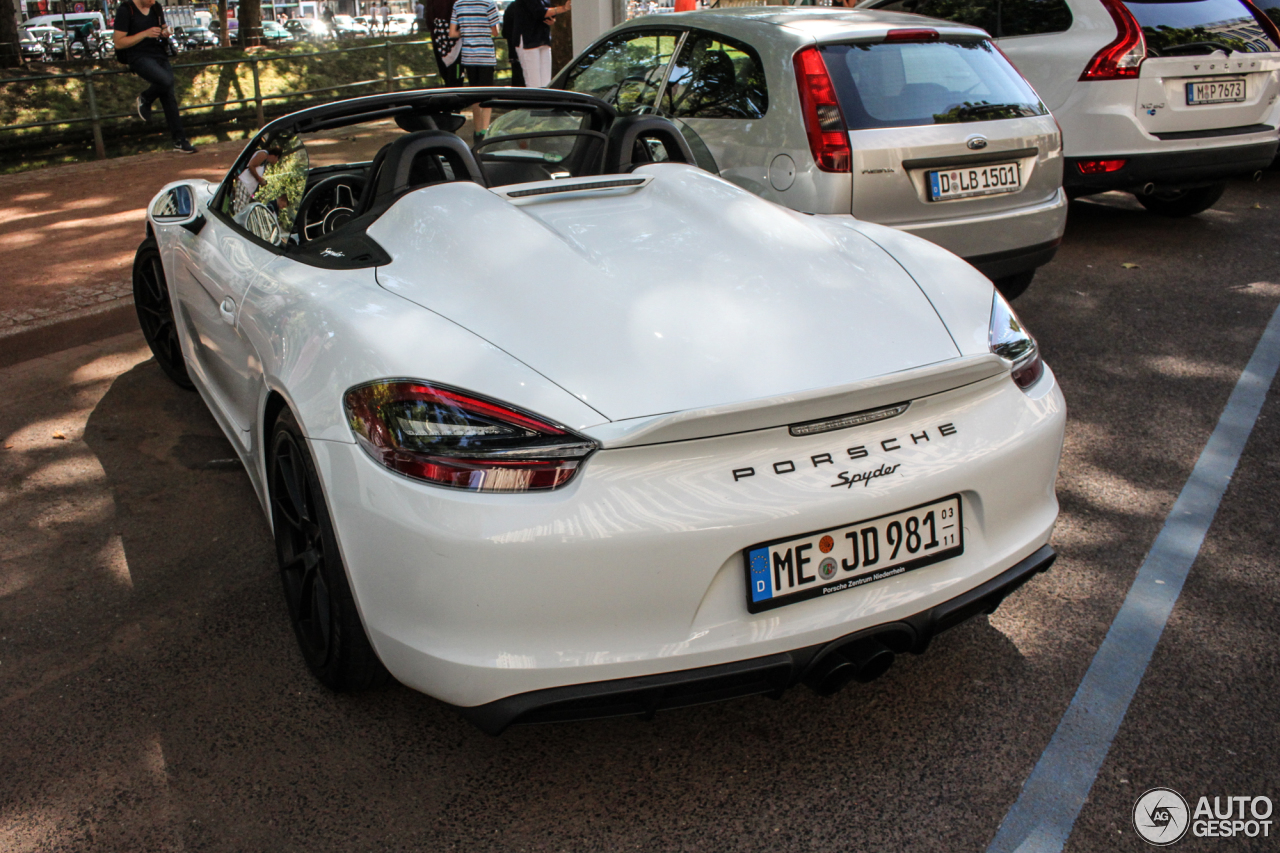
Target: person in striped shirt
(475,22)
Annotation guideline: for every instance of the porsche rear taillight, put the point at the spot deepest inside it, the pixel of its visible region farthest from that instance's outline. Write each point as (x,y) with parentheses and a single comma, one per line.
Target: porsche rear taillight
(1009,340)
(1122,58)
(452,438)
(823,121)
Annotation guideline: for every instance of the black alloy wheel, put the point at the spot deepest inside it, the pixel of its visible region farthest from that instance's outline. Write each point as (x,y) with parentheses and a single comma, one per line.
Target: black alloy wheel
(155,313)
(321,606)
(1179,203)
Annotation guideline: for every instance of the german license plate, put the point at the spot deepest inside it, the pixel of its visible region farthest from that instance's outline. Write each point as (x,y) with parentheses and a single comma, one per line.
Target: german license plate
(827,561)
(977,180)
(1227,91)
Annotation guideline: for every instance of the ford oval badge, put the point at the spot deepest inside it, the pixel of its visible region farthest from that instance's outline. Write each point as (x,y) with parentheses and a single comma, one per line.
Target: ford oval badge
(977,143)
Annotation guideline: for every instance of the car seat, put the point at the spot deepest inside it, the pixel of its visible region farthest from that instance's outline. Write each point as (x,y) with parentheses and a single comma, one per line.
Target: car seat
(630,136)
(417,160)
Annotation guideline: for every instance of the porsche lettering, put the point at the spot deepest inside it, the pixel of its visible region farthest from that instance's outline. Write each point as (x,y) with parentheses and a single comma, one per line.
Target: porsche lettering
(858,451)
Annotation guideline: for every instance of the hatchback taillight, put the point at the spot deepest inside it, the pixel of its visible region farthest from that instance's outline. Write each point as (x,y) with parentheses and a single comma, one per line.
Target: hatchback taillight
(1122,58)
(452,438)
(823,121)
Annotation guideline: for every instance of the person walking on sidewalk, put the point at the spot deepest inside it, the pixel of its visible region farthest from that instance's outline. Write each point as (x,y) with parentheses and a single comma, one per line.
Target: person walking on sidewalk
(532,31)
(475,22)
(138,30)
(446,49)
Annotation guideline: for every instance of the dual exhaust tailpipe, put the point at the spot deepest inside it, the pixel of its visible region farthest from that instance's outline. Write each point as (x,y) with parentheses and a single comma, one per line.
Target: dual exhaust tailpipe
(862,661)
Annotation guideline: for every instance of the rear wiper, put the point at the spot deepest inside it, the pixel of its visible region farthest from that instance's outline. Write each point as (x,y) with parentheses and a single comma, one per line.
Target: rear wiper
(1196,47)
(968,110)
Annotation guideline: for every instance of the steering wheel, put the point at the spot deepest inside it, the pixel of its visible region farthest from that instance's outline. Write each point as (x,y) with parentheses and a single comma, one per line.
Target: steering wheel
(328,206)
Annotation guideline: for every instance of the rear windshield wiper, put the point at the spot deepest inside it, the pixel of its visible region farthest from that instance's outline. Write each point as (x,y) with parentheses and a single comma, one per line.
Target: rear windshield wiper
(973,110)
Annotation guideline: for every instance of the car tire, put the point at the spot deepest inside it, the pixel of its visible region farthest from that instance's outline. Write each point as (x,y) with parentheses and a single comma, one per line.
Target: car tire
(1183,202)
(321,607)
(1013,286)
(155,313)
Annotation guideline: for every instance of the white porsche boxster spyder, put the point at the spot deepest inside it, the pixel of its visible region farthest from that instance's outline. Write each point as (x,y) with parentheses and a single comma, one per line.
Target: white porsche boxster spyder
(559,425)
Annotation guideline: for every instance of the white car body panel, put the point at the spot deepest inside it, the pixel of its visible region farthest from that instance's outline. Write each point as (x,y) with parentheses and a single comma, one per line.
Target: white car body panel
(668,329)
(635,566)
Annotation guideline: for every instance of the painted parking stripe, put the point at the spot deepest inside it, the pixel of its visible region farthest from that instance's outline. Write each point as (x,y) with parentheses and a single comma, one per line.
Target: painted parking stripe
(1046,810)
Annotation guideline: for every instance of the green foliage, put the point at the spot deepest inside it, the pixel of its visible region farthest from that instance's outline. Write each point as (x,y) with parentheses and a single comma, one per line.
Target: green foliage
(28,96)
(287,179)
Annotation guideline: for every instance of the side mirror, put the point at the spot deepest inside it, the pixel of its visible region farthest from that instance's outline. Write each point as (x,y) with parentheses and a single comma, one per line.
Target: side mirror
(177,206)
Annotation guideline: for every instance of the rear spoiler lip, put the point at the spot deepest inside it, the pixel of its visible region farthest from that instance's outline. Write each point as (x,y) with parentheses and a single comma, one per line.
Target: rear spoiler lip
(799,407)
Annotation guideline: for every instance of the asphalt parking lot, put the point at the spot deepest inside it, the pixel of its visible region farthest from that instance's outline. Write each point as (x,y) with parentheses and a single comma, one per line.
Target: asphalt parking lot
(152,696)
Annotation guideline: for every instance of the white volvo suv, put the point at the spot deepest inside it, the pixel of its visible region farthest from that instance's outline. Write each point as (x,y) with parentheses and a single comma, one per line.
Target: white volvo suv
(1163,98)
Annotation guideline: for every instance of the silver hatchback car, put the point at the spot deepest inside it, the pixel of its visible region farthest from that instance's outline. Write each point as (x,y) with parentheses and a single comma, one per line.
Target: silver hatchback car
(897,119)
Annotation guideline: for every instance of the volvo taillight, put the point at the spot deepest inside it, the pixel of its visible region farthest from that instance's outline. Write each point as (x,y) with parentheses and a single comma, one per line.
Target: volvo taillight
(1264,21)
(1123,57)
(453,438)
(823,121)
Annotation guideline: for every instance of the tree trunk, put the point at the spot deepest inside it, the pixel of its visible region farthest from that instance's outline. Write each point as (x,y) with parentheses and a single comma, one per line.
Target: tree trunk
(10,53)
(561,42)
(250,22)
(224,32)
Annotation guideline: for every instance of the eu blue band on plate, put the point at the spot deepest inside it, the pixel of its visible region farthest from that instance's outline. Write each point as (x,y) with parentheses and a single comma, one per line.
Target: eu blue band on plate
(934,185)
(761,588)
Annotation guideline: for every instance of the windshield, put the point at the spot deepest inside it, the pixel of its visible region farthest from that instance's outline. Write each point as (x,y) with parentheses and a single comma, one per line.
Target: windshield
(1200,26)
(902,84)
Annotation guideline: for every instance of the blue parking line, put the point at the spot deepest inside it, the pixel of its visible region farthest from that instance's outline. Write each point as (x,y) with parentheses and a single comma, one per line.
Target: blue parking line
(1046,810)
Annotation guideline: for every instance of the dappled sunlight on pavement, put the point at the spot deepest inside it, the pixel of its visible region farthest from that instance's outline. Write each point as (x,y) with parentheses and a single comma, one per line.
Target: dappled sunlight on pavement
(68,233)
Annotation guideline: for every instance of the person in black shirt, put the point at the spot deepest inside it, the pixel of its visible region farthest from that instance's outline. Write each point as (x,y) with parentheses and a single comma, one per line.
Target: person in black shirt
(531,29)
(139,26)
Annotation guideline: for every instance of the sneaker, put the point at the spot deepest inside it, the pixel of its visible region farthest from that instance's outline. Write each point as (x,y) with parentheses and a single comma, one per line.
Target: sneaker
(184,147)
(144,109)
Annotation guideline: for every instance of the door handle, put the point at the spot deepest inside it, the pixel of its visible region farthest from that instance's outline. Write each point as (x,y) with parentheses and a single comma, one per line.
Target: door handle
(228,310)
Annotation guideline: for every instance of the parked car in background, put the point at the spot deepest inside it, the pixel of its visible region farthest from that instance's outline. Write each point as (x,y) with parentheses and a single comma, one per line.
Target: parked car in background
(400,25)
(31,47)
(839,112)
(1163,98)
(233,27)
(274,33)
(307,29)
(344,26)
(194,38)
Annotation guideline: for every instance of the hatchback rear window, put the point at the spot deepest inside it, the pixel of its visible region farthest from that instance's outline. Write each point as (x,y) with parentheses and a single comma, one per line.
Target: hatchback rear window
(1200,26)
(901,84)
